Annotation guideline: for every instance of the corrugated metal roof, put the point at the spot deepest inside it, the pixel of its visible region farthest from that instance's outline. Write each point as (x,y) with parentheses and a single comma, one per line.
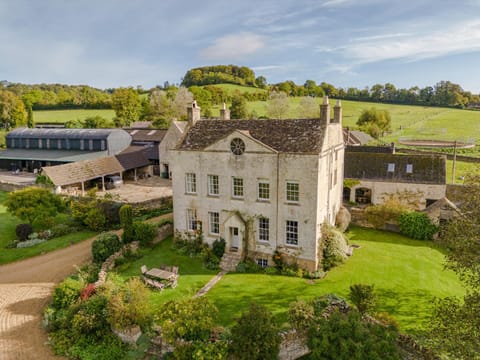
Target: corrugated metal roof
(74,173)
(50,155)
(27,133)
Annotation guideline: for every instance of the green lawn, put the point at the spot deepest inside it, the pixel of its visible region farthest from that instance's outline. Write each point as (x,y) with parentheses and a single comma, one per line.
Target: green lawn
(7,235)
(462,169)
(61,116)
(407,275)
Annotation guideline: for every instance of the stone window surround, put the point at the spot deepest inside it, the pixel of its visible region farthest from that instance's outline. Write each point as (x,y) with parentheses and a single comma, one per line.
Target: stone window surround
(213,187)
(263,190)
(191,217)
(291,232)
(190,183)
(214,222)
(263,229)
(237,187)
(292,191)
(262,262)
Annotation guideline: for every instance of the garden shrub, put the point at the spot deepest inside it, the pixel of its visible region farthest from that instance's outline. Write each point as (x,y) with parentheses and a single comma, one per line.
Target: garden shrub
(45,234)
(335,247)
(126,216)
(30,243)
(127,303)
(210,260)
(417,225)
(218,247)
(111,211)
(88,291)
(188,243)
(301,315)
(363,297)
(347,336)
(104,245)
(66,293)
(144,232)
(23,231)
(89,318)
(255,335)
(201,349)
(95,220)
(62,229)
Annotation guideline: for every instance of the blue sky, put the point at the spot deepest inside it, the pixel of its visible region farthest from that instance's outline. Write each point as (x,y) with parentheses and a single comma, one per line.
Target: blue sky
(111,43)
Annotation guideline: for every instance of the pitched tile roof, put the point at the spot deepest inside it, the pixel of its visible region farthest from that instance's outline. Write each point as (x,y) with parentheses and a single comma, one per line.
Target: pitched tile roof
(428,169)
(147,135)
(133,157)
(289,136)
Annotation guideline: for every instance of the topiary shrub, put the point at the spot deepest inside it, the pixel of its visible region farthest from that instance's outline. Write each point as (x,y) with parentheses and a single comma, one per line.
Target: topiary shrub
(23,231)
(218,247)
(66,293)
(105,245)
(417,225)
(363,297)
(335,247)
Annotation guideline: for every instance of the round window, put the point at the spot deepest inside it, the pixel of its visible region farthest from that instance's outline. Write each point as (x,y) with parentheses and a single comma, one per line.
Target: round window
(237,146)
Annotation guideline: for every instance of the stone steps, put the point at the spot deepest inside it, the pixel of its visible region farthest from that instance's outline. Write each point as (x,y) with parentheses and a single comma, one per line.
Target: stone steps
(230,260)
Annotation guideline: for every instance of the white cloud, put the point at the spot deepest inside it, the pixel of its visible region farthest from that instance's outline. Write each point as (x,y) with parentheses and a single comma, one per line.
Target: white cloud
(460,38)
(267,67)
(234,45)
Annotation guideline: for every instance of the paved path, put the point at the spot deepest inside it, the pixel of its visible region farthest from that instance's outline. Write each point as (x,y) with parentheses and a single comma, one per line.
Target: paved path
(210,284)
(25,289)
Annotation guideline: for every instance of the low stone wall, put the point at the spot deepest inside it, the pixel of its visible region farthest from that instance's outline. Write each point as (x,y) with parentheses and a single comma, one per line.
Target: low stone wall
(154,203)
(293,345)
(11,187)
(110,262)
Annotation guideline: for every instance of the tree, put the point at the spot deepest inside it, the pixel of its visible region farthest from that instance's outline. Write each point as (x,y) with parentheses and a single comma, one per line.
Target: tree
(183,98)
(30,122)
(261,82)
(32,204)
(375,122)
(126,103)
(158,109)
(238,109)
(12,110)
(255,335)
(94,122)
(455,325)
(203,98)
(278,105)
(308,108)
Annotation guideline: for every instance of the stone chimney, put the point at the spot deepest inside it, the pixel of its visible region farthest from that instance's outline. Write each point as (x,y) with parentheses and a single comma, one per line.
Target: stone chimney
(325,111)
(224,113)
(193,113)
(337,112)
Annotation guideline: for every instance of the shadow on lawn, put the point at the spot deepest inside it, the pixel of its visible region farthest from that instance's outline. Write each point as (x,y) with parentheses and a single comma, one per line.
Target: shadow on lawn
(355,233)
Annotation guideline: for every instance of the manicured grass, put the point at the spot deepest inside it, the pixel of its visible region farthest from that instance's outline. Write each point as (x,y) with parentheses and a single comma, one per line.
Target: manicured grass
(193,276)
(7,235)
(61,116)
(407,275)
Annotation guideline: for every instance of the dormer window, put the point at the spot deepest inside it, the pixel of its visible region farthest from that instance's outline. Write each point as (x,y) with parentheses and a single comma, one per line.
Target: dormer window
(409,168)
(237,146)
(391,167)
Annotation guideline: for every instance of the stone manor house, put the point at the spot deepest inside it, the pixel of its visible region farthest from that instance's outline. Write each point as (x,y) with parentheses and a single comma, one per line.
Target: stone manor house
(262,185)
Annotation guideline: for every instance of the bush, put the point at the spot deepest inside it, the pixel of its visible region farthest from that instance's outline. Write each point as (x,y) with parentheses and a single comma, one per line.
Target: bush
(417,225)
(144,232)
(30,243)
(61,230)
(45,235)
(218,247)
(66,293)
(126,216)
(335,247)
(255,335)
(104,245)
(188,243)
(301,315)
(363,297)
(95,219)
(23,231)
(347,336)
(210,260)
(89,318)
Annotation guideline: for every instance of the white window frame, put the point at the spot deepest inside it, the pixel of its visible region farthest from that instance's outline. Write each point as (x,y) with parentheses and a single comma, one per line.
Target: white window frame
(409,169)
(292,195)
(190,183)
(261,188)
(262,262)
(263,229)
(236,187)
(291,232)
(191,217)
(391,167)
(213,188)
(214,222)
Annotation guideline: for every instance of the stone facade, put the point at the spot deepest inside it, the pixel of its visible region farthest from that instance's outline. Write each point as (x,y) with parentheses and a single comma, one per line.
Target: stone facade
(169,142)
(274,193)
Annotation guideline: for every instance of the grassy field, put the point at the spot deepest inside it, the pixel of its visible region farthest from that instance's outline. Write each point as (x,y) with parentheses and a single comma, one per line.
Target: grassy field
(461,170)
(61,116)
(7,235)
(232,88)
(407,275)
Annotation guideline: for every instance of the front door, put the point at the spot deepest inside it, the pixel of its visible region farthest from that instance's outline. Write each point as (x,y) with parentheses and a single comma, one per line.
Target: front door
(235,237)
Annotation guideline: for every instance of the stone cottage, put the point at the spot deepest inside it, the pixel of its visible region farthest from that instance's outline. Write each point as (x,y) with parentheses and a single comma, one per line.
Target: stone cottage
(261,185)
